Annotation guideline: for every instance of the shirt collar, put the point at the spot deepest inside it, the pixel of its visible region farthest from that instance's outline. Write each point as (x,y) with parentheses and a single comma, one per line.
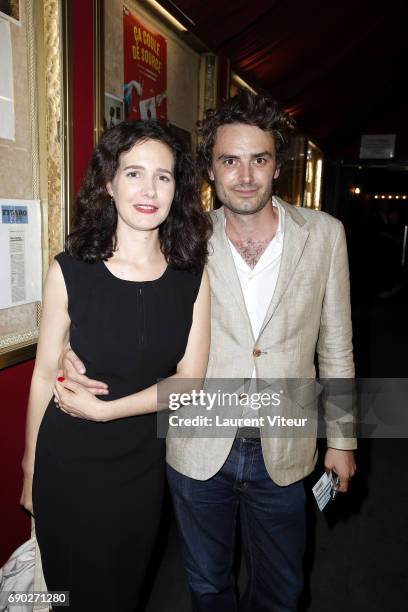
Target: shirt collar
(281,222)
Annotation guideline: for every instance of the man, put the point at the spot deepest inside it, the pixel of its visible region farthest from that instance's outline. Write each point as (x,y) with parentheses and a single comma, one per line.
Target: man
(280,291)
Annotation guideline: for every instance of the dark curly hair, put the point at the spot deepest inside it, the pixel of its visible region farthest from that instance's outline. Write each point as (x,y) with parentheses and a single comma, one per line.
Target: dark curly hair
(184,233)
(259,110)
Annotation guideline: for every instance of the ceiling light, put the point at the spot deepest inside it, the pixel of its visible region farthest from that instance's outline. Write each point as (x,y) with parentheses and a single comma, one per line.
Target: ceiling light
(243,83)
(167,15)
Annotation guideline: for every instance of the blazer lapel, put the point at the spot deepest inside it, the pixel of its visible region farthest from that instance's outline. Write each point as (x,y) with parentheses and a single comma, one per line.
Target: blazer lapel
(223,261)
(295,237)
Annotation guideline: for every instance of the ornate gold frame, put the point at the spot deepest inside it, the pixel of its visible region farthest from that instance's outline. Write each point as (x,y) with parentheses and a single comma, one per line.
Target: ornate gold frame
(48,93)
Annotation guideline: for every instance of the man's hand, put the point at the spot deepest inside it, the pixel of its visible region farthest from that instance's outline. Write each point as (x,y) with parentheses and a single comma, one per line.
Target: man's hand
(72,368)
(77,401)
(343,464)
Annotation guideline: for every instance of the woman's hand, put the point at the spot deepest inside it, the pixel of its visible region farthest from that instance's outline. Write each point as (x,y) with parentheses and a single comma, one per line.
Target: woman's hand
(77,401)
(26,499)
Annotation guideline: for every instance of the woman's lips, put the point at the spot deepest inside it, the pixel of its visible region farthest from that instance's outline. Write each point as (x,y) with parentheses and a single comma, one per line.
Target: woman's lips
(147,209)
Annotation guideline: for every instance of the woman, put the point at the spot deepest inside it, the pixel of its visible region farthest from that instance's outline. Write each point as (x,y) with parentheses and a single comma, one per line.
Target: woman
(130,295)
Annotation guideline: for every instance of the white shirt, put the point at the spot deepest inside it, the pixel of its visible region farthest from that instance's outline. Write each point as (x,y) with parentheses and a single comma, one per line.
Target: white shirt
(258,284)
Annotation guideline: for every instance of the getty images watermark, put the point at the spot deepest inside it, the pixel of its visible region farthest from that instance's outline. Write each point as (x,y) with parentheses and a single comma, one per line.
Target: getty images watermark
(217,407)
(222,399)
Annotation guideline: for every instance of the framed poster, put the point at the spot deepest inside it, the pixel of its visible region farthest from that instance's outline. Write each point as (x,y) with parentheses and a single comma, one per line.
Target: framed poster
(144,69)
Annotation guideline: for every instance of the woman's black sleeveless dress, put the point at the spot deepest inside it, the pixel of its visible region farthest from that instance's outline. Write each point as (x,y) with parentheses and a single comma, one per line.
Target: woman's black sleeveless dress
(98,487)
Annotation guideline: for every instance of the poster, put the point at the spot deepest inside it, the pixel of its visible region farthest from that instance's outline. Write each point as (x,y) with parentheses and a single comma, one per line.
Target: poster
(145,70)
(20,252)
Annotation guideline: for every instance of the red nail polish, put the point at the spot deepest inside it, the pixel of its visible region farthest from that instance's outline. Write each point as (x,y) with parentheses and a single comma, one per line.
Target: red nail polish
(60,379)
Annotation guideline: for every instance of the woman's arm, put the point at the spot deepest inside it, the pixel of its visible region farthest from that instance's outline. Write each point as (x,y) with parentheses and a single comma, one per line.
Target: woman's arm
(52,339)
(77,401)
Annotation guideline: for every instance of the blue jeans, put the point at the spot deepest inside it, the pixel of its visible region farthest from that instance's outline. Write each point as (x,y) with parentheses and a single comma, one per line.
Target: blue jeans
(273,534)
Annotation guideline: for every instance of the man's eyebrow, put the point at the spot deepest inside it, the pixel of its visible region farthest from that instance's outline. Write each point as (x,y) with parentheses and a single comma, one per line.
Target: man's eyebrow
(226,156)
(253,155)
(262,154)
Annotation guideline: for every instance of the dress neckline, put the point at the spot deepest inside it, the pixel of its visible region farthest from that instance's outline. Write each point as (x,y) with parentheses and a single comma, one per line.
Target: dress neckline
(133,282)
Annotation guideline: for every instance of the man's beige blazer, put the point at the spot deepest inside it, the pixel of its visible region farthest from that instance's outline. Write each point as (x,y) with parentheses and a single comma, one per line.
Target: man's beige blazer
(309,311)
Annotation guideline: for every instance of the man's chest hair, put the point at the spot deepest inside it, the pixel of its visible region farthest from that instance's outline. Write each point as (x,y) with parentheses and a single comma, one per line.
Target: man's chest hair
(251,250)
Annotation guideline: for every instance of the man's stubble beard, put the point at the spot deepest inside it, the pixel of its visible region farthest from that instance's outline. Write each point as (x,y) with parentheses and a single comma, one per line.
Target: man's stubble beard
(264,199)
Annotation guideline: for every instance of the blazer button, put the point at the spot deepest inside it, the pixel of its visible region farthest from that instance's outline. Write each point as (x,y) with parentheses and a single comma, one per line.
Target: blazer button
(257,352)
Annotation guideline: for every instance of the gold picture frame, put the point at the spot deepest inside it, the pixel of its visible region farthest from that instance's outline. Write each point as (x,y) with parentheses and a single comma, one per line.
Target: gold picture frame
(41,149)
